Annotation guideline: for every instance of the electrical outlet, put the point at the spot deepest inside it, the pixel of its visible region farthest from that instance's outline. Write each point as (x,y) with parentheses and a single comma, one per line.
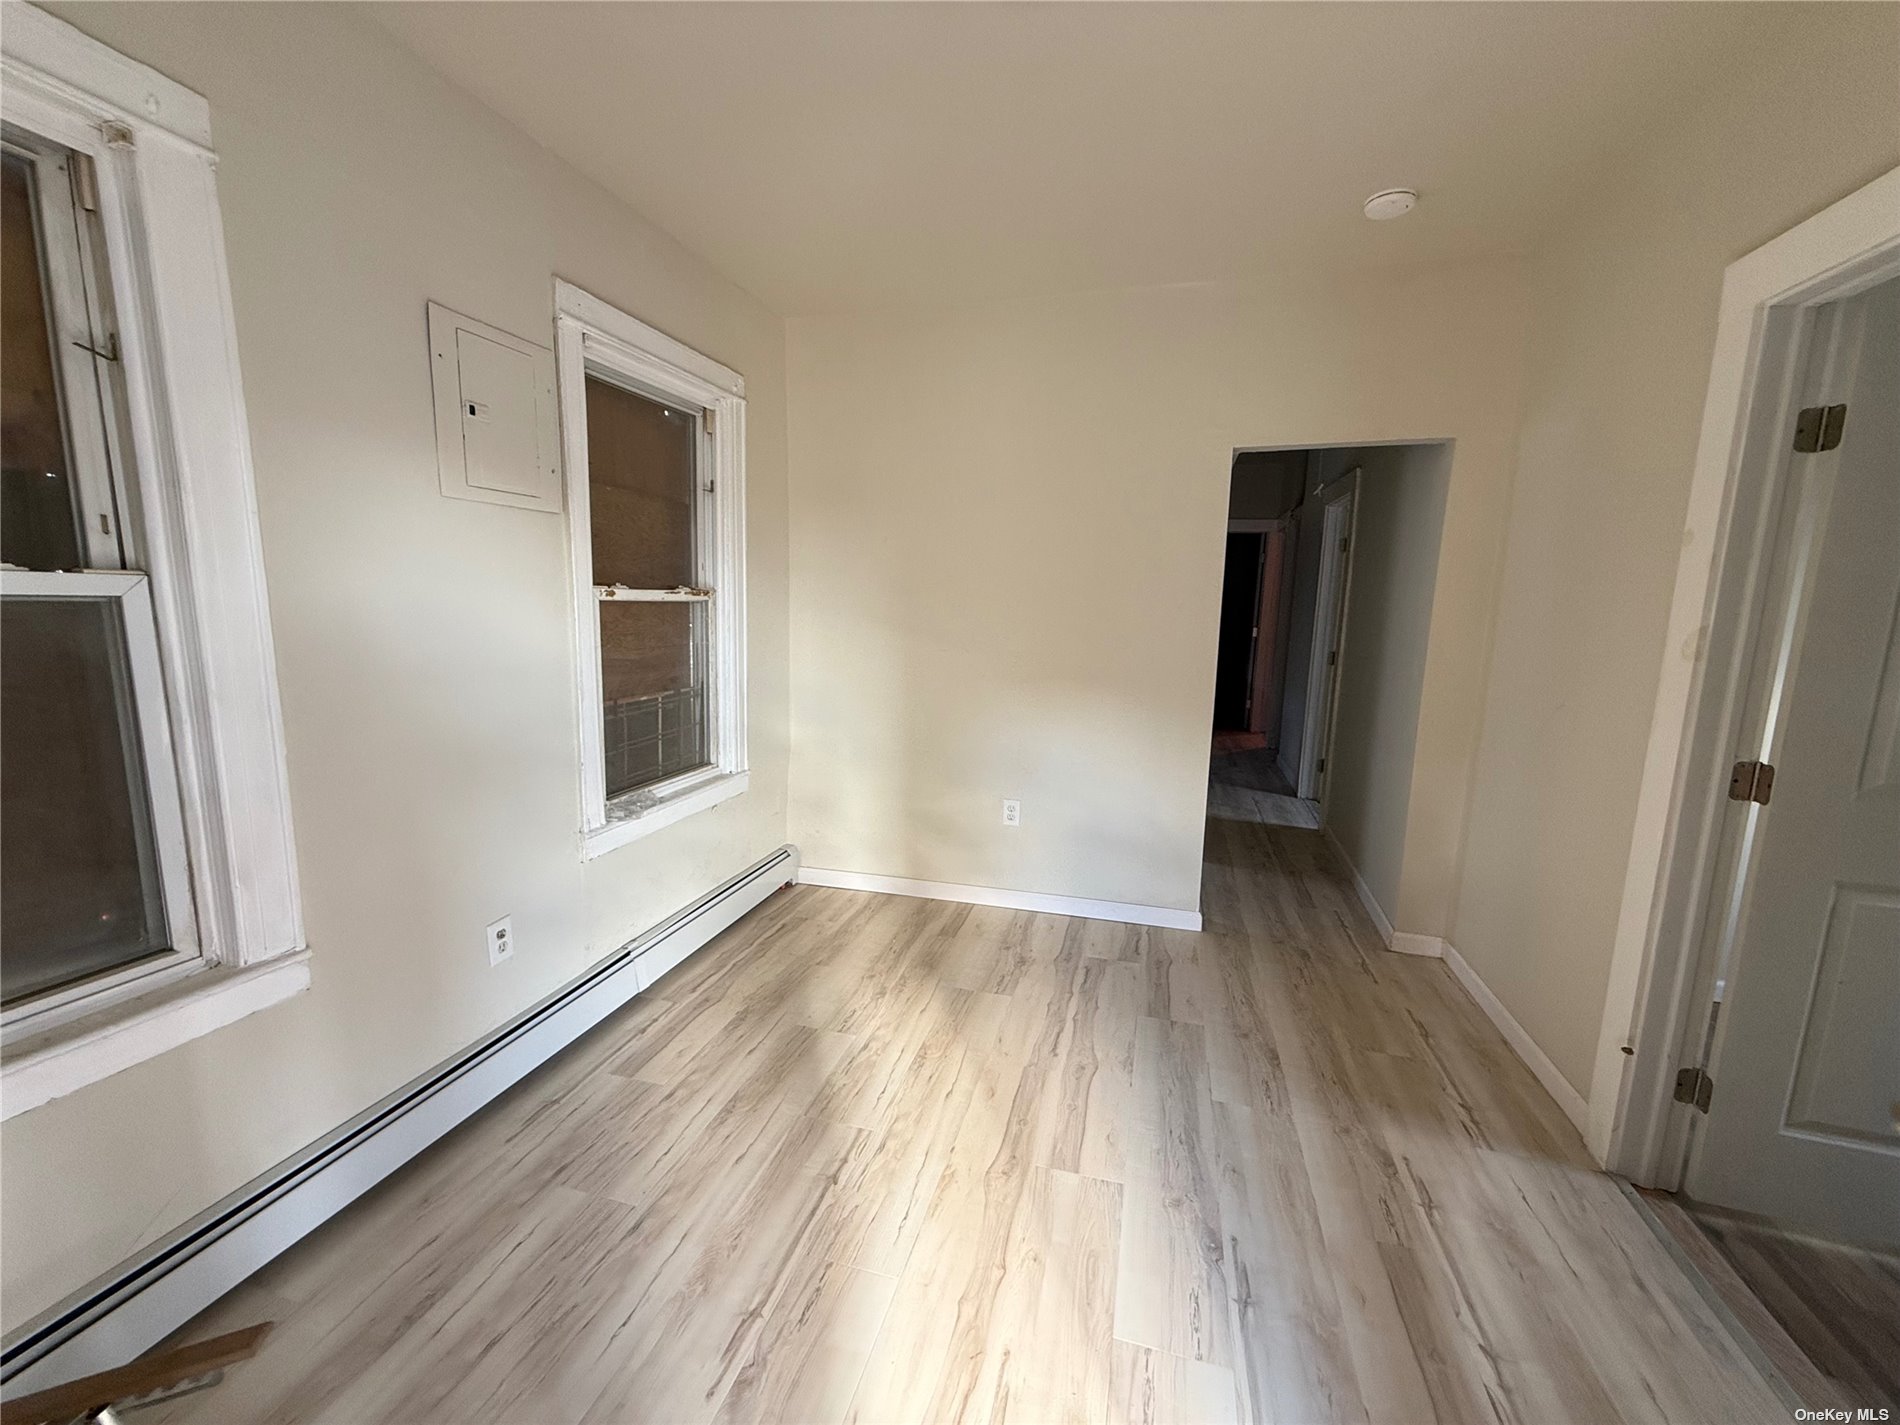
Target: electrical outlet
(1012,812)
(501,940)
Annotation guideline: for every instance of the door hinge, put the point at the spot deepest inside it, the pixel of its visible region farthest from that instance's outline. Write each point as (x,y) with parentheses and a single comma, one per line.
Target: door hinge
(1332,658)
(1696,1087)
(1321,767)
(1818,428)
(710,416)
(1751,782)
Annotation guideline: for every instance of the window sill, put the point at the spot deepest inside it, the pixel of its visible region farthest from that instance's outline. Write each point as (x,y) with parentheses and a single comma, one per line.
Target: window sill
(598,841)
(56,1061)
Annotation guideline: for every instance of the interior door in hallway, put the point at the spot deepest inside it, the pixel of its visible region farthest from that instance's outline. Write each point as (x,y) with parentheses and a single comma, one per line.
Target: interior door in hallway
(1804,1122)
(1329,634)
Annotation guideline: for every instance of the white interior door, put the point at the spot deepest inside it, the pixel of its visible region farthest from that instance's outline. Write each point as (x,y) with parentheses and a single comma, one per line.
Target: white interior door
(1329,634)
(1801,1123)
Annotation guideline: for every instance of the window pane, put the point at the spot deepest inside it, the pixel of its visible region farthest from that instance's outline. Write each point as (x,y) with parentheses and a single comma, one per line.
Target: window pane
(640,483)
(79,888)
(37,521)
(653,684)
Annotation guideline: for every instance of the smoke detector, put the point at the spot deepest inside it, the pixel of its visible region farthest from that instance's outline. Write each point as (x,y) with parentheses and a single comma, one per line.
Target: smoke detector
(1392,203)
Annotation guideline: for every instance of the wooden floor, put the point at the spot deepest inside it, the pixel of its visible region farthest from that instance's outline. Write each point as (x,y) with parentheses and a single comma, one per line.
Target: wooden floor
(1840,1305)
(877,1159)
(1247,785)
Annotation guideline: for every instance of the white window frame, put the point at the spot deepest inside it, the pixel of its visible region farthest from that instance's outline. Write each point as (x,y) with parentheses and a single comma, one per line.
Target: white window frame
(195,521)
(593,337)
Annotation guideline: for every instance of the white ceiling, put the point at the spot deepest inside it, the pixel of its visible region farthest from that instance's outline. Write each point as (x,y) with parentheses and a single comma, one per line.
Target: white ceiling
(840,156)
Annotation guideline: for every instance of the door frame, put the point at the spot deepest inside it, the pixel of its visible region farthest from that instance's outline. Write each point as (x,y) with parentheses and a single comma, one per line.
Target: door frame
(1677,853)
(1332,591)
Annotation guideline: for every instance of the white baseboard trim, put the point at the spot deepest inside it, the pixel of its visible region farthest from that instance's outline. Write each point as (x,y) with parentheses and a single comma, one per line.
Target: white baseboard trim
(146,1298)
(1558,1087)
(1125,912)
(1405,942)
(1366,897)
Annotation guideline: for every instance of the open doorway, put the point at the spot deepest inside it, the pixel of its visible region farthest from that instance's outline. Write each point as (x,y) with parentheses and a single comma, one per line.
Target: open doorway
(1245,782)
(1321,648)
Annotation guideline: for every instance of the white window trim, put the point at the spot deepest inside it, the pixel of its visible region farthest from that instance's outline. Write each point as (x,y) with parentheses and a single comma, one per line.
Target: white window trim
(149,141)
(591,333)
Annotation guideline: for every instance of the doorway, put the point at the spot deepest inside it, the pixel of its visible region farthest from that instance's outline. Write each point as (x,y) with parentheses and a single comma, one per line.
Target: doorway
(1245,781)
(1764,1093)
(1330,557)
(1793,1162)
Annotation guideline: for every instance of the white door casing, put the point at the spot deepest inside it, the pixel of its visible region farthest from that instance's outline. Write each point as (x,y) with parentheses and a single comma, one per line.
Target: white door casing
(1806,1061)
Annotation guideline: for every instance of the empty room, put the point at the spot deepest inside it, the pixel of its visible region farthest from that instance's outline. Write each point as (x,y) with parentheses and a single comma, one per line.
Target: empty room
(911,712)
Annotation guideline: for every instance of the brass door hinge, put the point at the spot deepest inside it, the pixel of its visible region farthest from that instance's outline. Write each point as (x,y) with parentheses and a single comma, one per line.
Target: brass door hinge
(1751,782)
(1818,428)
(1694,1086)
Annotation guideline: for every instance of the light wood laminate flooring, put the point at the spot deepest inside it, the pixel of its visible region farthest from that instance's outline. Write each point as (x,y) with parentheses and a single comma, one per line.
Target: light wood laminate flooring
(870,1158)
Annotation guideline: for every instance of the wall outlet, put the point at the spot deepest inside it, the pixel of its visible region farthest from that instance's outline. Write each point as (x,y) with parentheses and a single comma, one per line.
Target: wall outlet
(1012,812)
(501,940)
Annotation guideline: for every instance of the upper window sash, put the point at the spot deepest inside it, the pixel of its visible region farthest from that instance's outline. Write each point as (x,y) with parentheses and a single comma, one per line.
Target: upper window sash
(83,336)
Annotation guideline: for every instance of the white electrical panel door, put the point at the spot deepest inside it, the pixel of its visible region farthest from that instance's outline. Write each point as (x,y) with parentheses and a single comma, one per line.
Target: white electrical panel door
(496,435)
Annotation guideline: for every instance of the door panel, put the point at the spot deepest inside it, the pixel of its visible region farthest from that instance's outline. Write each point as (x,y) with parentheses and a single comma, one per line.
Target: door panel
(1853,1021)
(1801,1127)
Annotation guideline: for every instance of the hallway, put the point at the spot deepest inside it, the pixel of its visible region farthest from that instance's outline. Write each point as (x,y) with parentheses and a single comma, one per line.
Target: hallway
(874,1158)
(1246,784)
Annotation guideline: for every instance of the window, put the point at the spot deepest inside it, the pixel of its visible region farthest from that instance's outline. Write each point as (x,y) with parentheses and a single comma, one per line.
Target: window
(147,889)
(92,883)
(653,435)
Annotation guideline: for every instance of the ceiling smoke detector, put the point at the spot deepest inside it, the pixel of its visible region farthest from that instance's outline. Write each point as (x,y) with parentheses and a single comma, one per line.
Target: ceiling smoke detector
(1392,203)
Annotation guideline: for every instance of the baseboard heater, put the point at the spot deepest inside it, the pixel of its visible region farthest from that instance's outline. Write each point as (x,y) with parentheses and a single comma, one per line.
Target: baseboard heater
(148,1297)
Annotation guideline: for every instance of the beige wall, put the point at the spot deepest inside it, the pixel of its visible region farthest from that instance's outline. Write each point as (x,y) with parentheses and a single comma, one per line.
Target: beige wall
(422,642)
(1401,514)
(1624,322)
(1008,529)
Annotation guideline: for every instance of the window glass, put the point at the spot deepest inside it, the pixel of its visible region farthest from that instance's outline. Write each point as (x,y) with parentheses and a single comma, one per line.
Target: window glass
(653,690)
(79,884)
(641,490)
(38,521)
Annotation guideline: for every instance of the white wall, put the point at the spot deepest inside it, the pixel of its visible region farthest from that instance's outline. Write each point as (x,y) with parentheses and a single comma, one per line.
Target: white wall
(1626,303)
(422,642)
(1401,513)
(1008,528)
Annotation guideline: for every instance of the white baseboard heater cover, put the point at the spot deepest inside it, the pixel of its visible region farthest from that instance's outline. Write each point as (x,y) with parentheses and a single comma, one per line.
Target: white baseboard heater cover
(148,1297)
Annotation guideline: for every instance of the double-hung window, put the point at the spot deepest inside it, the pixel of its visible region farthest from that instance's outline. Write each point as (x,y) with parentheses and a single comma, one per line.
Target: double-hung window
(654,438)
(147,886)
(93,887)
